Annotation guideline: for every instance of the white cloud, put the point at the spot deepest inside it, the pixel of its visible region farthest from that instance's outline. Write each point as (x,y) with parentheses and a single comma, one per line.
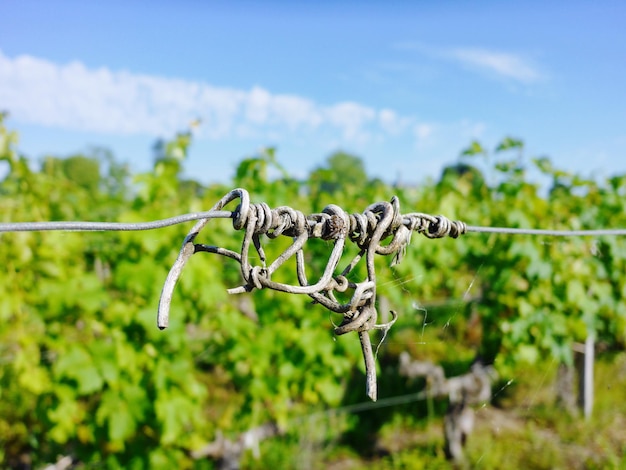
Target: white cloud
(351,118)
(296,112)
(258,105)
(73,96)
(503,64)
(423,131)
(391,123)
(498,63)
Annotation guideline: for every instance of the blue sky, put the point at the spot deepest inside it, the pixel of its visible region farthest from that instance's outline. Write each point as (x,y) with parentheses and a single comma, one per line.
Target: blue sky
(404,85)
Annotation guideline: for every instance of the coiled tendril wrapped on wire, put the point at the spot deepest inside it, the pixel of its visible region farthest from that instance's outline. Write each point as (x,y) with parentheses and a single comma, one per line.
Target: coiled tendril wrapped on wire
(367,230)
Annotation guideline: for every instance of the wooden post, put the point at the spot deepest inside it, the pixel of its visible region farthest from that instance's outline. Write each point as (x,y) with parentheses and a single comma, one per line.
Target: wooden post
(584,364)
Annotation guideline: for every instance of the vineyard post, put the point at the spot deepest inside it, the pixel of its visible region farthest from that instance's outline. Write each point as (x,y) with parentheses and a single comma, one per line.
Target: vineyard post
(585,356)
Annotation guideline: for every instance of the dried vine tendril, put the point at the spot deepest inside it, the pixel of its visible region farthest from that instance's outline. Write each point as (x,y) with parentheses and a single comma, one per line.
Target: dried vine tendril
(367,230)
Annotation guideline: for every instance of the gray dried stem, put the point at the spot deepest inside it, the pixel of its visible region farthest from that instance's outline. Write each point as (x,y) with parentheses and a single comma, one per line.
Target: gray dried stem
(367,230)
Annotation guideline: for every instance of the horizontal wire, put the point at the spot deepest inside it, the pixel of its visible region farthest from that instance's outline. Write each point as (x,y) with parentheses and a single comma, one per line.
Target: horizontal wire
(551,233)
(111,226)
(85,226)
(364,406)
(382,403)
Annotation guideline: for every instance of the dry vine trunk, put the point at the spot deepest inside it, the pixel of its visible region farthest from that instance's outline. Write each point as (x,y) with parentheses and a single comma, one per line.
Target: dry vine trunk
(464,390)
(227,453)
(565,386)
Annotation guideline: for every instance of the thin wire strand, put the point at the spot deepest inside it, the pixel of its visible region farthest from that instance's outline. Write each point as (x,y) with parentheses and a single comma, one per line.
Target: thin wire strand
(111,226)
(85,226)
(551,233)
(366,406)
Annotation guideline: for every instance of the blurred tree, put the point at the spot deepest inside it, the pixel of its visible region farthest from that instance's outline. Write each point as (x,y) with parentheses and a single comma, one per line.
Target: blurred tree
(83,170)
(340,171)
(463,177)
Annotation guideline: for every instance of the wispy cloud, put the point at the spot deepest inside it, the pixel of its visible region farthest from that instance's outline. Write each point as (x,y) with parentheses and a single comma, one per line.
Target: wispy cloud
(73,96)
(500,63)
(494,62)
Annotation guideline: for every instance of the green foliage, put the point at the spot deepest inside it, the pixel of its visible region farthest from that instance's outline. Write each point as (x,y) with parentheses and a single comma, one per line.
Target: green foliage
(84,171)
(343,173)
(475,148)
(84,370)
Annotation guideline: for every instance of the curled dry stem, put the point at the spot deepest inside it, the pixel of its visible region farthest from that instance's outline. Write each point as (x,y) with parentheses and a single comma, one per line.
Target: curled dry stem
(367,230)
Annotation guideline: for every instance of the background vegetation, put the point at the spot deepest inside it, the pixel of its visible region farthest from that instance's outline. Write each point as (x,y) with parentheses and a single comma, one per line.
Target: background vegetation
(85,372)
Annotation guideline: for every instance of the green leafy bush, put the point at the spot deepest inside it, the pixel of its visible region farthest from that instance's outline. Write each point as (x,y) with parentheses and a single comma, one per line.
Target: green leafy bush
(84,370)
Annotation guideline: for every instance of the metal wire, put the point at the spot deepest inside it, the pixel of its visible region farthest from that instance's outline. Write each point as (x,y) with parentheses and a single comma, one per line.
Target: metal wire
(87,226)
(79,226)
(550,233)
